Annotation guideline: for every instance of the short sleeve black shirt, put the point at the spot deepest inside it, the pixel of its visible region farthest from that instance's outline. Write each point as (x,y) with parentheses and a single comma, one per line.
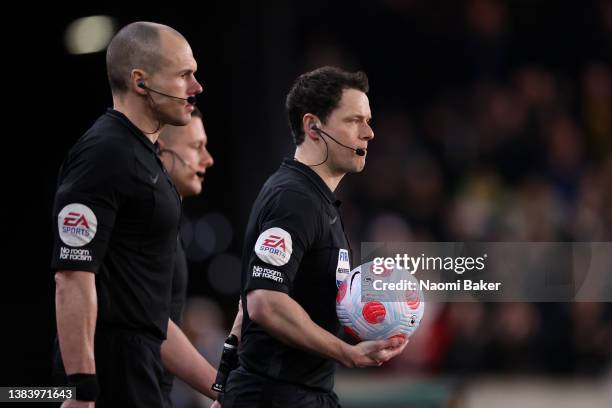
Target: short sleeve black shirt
(295,243)
(116,214)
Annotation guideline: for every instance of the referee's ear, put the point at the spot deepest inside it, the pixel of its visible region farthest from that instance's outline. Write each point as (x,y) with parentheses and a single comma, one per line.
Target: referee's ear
(310,126)
(137,79)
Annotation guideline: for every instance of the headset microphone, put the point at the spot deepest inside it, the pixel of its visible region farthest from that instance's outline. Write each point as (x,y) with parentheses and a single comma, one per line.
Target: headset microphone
(358,151)
(190,99)
(184,162)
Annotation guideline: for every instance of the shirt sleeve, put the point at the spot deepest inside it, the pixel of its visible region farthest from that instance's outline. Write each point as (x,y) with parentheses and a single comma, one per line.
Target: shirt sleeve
(86,205)
(285,233)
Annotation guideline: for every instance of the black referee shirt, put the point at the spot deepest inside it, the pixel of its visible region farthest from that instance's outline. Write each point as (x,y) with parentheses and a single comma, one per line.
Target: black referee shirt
(295,243)
(179,285)
(117,215)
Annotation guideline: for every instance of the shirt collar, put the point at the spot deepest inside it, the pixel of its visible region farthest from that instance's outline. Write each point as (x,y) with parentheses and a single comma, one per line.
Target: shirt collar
(154,147)
(313,177)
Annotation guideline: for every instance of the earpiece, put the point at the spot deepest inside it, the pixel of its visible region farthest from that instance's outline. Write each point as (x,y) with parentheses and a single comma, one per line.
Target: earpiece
(141,84)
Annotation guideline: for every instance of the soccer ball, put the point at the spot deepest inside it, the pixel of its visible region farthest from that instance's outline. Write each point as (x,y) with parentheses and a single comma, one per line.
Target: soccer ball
(396,316)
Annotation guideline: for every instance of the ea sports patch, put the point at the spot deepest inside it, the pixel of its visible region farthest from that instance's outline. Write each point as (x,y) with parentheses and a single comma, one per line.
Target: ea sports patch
(274,246)
(77,225)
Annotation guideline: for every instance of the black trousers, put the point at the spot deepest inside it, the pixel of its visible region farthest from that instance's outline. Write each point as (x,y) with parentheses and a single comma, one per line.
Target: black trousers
(248,390)
(129,369)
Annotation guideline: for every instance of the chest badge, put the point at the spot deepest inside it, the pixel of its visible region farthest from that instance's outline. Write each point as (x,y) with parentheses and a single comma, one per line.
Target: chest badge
(343,267)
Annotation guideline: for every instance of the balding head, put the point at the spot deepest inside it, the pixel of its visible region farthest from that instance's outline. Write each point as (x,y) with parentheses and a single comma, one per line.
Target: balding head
(137,45)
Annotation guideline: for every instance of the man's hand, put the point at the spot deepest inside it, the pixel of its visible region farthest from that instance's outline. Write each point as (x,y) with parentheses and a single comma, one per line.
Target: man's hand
(374,352)
(78,404)
(286,320)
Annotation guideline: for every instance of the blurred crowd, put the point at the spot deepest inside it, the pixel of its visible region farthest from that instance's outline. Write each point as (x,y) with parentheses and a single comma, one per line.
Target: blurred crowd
(519,152)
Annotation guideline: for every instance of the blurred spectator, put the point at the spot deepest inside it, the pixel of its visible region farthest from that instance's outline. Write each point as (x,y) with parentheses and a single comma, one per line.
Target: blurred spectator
(596,106)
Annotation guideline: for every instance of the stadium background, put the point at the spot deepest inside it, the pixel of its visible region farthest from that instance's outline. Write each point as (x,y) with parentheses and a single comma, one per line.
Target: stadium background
(493,122)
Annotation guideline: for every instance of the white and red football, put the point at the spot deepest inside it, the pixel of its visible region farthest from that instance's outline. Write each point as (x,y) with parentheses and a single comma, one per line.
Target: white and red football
(375,320)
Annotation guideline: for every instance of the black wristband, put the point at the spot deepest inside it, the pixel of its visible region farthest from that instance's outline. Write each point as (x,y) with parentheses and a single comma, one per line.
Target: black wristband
(86,386)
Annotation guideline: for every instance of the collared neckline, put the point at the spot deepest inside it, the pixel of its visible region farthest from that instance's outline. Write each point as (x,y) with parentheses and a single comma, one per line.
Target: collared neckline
(314,178)
(154,147)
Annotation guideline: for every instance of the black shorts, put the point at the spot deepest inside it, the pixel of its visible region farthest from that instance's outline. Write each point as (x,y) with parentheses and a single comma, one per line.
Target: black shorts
(248,390)
(129,369)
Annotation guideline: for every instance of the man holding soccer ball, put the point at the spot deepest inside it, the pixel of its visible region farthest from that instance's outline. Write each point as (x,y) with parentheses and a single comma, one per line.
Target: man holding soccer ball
(296,252)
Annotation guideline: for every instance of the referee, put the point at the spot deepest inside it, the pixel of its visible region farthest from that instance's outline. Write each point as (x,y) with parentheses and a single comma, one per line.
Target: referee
(186,158)
(296,251)
(117,213)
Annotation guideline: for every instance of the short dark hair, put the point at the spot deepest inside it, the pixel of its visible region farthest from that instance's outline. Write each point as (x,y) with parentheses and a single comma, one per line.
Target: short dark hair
(137,45)
(319,92)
